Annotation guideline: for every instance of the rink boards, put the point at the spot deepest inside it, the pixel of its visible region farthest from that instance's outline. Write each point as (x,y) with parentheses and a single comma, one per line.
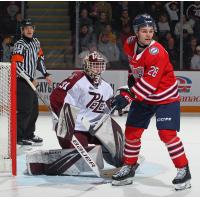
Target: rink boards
(188,85)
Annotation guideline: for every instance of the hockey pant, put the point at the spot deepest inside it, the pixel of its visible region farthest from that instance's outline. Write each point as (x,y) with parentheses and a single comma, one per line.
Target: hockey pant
(169,137)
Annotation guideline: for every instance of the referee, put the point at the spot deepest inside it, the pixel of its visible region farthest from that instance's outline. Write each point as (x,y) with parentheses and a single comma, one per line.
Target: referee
(28,56)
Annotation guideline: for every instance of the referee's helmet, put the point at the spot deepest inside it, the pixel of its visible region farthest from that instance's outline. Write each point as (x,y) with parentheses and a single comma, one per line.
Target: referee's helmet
(27,22)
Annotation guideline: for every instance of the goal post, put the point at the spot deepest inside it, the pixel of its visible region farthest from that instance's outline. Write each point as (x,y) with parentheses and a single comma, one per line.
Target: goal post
(8,122)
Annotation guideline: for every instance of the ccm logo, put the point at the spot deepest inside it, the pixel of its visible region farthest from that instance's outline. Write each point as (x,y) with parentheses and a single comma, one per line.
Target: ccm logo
(164,119)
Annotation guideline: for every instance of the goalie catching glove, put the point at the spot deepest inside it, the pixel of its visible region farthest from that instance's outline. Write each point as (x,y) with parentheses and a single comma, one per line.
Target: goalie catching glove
(124,98)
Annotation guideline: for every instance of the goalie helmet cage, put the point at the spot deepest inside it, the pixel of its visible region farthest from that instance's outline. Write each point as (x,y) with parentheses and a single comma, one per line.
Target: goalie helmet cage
(8,118)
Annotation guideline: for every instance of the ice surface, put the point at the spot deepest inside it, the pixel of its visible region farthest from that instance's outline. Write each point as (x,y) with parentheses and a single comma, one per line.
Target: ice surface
(153,179)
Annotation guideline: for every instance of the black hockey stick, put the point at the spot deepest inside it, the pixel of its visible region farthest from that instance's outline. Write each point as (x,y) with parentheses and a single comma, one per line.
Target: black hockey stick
(84,154)
(93,128)
(24,76)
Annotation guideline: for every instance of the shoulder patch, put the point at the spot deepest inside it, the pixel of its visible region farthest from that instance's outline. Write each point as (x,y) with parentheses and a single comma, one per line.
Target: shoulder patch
(130,39)
(153,50)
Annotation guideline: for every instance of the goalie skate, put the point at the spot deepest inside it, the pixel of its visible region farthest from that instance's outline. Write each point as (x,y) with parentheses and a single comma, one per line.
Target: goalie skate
(182,179)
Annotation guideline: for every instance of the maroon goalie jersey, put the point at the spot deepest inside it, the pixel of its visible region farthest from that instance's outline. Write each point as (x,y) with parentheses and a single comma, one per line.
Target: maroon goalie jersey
(153,72)
(78,91)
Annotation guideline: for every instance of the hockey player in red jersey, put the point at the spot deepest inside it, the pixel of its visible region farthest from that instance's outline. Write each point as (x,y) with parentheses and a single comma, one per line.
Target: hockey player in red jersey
(152,81)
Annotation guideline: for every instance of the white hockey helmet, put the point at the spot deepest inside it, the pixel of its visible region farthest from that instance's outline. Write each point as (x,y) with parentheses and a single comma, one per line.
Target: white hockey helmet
(94,65)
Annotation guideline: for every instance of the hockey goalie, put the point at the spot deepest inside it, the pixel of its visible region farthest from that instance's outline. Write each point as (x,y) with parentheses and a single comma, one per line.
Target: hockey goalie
(83,95)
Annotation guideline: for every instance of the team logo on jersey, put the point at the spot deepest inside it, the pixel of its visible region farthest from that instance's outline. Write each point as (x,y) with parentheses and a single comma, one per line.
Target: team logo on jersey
(137,72)
(153,50)
(97,104)
(130,39)
(184,84)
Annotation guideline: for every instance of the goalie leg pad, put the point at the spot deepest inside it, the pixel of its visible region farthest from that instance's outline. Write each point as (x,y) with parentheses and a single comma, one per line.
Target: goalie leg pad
(112,138)
(66,121)
(62,161)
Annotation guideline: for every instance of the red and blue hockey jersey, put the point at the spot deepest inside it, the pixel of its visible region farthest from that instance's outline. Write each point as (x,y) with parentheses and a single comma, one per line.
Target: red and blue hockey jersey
(153,72)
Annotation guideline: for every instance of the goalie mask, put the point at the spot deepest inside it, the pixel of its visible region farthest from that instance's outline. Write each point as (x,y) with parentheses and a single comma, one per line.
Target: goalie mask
(94,65)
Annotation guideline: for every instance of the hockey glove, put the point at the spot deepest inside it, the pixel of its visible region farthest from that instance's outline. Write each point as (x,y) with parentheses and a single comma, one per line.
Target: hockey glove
(119,102)
(125,92)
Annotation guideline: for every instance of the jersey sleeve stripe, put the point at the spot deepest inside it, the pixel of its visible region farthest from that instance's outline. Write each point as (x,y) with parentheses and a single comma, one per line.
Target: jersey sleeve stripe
(172,91)
(173,87)
(140,87)
(144,86)
(174,95)
(139,94)
(147,85)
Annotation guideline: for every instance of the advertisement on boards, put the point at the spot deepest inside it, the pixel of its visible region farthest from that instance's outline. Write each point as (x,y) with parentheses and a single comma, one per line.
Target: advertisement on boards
(188,84)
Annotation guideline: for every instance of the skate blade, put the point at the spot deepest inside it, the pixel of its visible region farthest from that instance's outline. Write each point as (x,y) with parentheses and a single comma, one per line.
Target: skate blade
(122,182)
(37,144)
(182,186)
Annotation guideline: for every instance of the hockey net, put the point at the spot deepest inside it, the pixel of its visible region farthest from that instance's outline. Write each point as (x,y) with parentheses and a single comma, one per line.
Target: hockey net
(7,118)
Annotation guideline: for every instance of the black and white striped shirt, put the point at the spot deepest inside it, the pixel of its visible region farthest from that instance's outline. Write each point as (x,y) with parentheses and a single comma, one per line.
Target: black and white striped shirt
(29,57)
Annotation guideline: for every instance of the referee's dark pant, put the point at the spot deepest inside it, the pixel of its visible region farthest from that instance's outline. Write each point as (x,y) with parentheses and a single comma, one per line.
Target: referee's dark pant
(27,110)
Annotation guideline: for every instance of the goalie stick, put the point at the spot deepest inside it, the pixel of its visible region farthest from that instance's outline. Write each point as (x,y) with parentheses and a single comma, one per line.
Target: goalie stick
(84,154)
(93,128)
(24,76)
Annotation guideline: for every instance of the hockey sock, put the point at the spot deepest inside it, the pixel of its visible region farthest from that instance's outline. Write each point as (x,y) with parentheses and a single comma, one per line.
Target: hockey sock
(132,145)
(174,147)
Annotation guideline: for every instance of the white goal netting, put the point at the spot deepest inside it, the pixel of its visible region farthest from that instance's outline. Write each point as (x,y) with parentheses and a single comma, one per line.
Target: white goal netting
(6,127)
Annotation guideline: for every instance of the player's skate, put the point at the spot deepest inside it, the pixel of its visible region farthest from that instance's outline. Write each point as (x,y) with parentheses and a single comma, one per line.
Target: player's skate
(124,176)
(182,179)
